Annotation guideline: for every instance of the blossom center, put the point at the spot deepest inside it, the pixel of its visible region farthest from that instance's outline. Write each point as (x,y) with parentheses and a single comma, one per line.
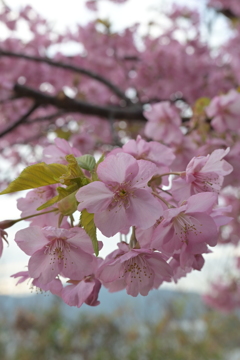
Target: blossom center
(137,268)
(183,225)
(57,249)
(207,182)
(121,197)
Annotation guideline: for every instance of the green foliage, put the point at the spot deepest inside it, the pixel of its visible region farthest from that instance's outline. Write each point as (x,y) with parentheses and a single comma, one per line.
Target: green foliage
(48,335)
(35,176)
(74,173)
(86,162)
(62,194)
(87,222)
(94,171)
(200,105)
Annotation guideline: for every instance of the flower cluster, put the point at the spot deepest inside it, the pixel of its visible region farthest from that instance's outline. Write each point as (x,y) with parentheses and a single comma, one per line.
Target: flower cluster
(123,193)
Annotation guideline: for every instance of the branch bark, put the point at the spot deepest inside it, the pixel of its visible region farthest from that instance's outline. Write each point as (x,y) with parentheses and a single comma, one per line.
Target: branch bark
(20,121)
(73,68)
(134,112)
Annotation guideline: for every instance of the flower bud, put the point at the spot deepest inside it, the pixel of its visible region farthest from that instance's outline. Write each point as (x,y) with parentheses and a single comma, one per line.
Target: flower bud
(7,223)
(68,205)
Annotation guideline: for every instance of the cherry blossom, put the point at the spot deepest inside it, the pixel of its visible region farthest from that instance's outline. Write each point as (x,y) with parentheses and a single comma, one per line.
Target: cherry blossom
(56,153)
(122,198)
(83,291)
(189,225)
(137,270)
(163,123)
(224,111)
(56,251)
(203,173)
(54,286)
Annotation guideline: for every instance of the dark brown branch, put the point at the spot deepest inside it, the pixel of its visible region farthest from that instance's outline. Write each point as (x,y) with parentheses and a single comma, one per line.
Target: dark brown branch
(65,66)
(20,121)
(134,112)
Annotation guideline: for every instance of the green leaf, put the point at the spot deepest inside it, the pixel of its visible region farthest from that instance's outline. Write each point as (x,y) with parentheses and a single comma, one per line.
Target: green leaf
(200,105)
(86,162)
(87,222)
(68,205)
(101,159)
(35,176)
(62,193)
(94,172)
(74,172)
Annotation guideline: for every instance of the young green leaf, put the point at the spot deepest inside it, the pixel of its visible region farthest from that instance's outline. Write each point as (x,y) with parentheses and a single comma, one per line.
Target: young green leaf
(86,162)
(35,176)
(62,193)
(87,222)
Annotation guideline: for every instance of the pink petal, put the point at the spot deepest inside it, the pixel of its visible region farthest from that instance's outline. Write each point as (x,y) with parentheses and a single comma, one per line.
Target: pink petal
(118,168)
(202,202)
(76,295)
(41,266)
(110,222)
(146,171)
(203,229)
(162,235)
(81,240)
(31,239)
(110,273)
(94,197)
(77,264)
(55,286)
(216,164)
(144,209)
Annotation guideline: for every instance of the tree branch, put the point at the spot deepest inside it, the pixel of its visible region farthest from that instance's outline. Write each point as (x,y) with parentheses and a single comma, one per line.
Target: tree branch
(134,112)
(76,69)
(20,121)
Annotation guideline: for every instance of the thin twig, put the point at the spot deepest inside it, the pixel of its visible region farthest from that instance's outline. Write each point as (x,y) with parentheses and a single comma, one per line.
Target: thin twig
(20,121)
(74,68)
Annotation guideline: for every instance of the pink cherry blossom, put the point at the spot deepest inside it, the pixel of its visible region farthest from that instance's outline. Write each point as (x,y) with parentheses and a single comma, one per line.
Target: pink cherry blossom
(203,173)
(159,154)
(56,153)
(91,5)
(137,270)
(187,228)
(153,151)
(54,286)
(34,199)
(224,111)
(224,295)
(122,198)
(84,291)
(83,141)
(163,123)
(181,270)
(56,251)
